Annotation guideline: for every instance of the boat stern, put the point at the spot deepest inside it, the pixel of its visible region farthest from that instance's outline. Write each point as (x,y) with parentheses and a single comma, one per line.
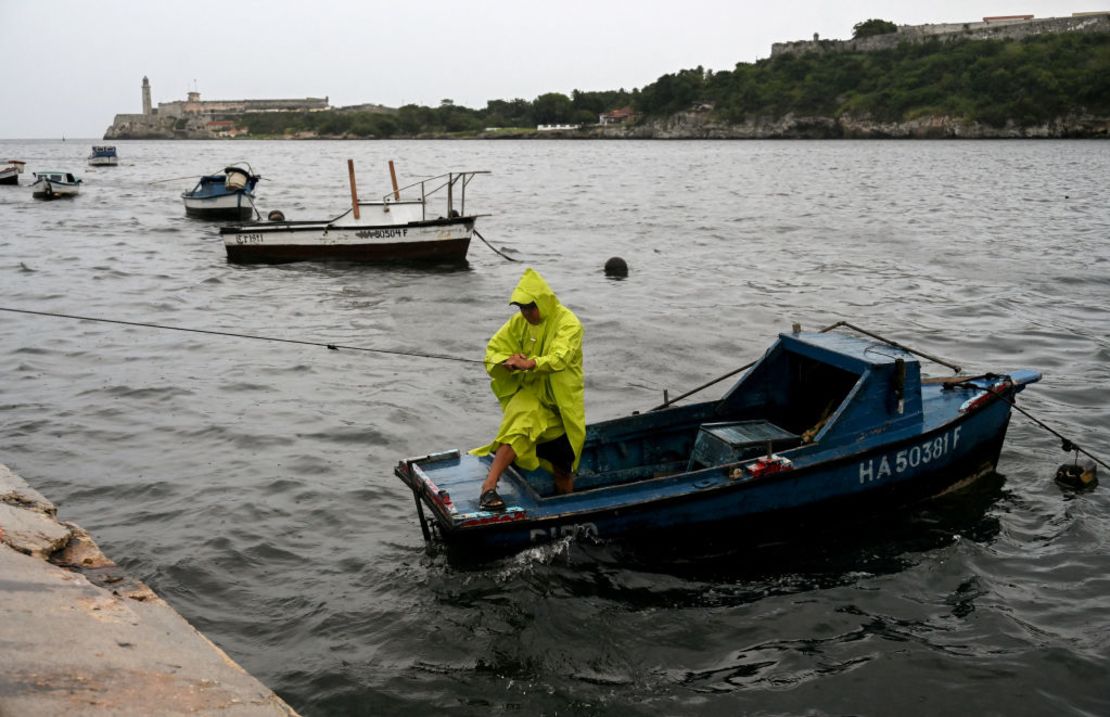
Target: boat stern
(448,484)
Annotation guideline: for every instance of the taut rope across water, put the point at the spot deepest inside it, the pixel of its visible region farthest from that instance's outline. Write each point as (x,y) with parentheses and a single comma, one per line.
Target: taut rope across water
(333,347)
(1067,444)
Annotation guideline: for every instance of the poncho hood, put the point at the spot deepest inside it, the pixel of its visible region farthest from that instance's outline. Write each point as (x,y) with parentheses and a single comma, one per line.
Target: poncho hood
(533,289)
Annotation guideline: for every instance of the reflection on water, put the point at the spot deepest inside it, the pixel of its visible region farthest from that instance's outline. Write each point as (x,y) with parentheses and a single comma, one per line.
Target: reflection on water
(251,483)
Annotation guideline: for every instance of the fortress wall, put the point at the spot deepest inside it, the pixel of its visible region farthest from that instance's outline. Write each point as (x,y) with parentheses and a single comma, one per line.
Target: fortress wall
(180,109)
(308,103)
(1009,30)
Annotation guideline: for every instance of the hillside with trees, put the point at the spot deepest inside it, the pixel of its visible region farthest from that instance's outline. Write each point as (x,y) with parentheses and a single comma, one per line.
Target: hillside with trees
(988,81)
(985,83)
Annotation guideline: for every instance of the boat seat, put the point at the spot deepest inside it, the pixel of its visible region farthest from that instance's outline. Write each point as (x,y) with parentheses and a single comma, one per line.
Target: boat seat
(731,442)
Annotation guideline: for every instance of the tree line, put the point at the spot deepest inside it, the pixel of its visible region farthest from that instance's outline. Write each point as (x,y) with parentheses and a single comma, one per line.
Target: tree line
(989,81)
(448,118)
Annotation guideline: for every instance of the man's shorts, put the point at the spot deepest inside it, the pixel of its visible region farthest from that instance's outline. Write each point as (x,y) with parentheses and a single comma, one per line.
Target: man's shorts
(557,452)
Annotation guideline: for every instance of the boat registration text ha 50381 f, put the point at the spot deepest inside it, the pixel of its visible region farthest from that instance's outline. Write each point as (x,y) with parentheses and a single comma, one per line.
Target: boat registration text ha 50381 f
(879,468)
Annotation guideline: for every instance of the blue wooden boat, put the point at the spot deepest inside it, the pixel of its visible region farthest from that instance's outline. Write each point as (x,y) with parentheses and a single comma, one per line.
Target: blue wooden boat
(223,196)
(822,424)
(103,156)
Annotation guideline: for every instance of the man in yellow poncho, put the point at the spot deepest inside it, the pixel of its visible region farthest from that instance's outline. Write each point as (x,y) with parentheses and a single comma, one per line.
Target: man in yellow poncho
(535,366)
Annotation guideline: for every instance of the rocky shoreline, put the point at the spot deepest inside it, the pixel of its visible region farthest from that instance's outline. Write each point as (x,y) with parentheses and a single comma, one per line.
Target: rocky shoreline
(82,637)
(698,125)
(701,126)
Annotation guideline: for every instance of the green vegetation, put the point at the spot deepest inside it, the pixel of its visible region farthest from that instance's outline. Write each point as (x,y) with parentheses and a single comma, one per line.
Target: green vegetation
(870,28)
(447,119)
(989,81)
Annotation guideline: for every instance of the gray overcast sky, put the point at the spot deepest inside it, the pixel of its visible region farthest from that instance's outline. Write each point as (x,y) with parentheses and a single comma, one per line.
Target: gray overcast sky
(70,65)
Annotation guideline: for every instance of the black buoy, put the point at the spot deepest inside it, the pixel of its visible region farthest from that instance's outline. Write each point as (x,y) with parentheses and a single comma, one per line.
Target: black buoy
(616,267)
(276,215)
(1076,475)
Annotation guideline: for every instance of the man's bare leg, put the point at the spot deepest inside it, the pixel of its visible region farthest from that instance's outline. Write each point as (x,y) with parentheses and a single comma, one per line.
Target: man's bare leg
(501,460)
(564,482)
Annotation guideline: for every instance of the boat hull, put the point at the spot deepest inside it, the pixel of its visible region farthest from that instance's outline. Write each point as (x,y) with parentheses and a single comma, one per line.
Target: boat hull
(54,190)
(103,161)
(236,206)
(889,475)
(435,241)
(9,177)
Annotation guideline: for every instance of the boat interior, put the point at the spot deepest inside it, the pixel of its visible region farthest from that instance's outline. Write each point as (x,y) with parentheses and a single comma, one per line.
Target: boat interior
(789,401)
(215,185)
(62,177)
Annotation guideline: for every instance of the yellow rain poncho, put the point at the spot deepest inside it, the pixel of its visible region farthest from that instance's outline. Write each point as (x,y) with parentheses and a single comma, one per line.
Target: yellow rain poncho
(541,404)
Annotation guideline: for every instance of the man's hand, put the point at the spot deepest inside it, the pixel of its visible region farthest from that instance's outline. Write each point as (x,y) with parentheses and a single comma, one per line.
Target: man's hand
(519,362)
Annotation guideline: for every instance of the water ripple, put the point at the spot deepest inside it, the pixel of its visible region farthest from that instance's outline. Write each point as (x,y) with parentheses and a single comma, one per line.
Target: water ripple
(251,483)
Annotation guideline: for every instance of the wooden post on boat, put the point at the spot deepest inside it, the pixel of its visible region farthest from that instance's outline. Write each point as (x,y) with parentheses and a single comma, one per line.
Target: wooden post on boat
(393,177)
(354,190)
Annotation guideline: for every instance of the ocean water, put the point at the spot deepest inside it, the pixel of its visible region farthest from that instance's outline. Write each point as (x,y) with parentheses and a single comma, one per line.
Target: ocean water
(250,483)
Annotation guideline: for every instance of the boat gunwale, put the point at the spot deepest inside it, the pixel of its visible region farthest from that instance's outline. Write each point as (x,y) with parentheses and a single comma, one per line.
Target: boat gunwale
(725,484)
(305,225)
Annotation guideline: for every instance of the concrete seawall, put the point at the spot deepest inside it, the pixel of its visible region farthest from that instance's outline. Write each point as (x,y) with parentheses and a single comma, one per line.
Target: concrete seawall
(78,636)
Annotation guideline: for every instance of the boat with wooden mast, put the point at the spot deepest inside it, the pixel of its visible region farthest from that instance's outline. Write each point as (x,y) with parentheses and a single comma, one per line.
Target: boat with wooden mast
(402,226)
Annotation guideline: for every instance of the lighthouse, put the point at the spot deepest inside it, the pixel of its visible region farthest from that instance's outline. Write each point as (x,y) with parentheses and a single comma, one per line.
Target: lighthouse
(146,97)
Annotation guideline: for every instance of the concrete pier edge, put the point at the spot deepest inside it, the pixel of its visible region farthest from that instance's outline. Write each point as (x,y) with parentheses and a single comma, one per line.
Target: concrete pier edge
(79,636)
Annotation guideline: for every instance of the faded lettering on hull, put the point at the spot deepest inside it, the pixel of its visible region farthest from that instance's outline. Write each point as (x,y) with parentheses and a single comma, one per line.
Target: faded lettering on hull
(575,530)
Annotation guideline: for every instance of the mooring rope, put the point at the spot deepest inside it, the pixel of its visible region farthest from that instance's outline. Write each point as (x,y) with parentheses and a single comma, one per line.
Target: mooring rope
(838,324)
(671,401)
(333,347)
(479,235)
(895,344)
(1066,443)
(257,213)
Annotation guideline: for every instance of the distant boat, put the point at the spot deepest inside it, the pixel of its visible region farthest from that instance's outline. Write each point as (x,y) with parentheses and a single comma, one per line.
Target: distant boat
(9,174)
(394,228)
(103,156)
(223,196)
(53,184)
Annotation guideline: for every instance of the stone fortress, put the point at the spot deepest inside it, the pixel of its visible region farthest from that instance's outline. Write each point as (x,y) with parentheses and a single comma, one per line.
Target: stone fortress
(195,118)
(1005,27)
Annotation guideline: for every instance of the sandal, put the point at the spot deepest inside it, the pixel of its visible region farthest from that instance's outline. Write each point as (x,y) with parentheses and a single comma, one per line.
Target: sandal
(491,501)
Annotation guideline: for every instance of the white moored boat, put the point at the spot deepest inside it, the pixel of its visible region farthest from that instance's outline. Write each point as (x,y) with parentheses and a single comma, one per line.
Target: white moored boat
(53,184)
(395,228)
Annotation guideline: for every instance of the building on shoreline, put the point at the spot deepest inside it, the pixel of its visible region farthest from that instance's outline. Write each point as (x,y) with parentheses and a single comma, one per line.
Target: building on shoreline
(999,27)
(194,118)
